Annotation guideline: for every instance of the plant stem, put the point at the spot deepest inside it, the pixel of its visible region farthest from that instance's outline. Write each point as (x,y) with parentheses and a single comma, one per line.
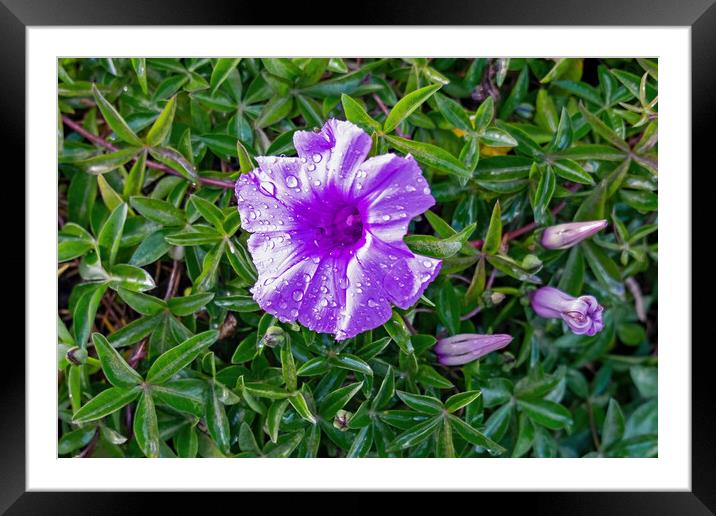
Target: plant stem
(97,140)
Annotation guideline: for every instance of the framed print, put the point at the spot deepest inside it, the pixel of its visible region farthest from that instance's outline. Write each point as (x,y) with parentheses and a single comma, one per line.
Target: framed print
(390,258)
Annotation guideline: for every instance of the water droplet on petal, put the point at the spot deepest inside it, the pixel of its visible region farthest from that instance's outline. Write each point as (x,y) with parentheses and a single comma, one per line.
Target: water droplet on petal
(427,264)
(291,181)
(410,188)
(268,188)
(386,217)
(372,303)
(297,295)
(317,158)
(343,282)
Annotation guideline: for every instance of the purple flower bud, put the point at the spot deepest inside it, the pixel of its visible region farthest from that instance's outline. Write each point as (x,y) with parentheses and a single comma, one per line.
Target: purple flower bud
(467,347)
(582,314)
(563,236)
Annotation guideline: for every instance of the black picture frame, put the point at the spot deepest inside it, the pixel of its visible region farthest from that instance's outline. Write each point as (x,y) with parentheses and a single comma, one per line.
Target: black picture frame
(699,15)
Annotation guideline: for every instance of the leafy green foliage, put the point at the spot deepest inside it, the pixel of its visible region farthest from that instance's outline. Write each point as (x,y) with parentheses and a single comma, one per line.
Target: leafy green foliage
(163,352)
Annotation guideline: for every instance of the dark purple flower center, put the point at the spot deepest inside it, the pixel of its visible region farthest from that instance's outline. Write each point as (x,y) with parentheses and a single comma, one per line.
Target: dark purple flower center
(342,229)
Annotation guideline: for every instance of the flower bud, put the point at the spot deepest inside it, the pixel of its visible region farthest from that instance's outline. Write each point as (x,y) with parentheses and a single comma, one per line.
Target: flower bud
(582,314)
(467,347)
(76,356)
(563,236)
(341,420)
(497,297)
(274,336)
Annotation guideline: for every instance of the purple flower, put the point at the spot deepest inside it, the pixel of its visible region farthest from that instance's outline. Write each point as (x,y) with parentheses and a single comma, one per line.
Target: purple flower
(582,314)
(563,236)
(467,347)
(328,231)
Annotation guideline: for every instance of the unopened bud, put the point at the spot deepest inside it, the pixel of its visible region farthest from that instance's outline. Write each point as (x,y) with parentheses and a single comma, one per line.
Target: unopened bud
(274,336)
(497,298)
(341,420)
(566,235)
(176,252)
(76,356)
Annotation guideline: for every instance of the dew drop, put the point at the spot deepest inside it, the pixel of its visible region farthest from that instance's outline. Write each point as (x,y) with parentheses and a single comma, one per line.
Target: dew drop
(324,302)
(268,188)
(410,188)
(386,217)
(317,158)
(291,181)
(372,303)
(427,264)
(343,283)
(297,295)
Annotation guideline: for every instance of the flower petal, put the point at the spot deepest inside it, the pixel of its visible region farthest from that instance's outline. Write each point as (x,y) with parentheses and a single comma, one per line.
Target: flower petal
(332,156)
(391,194)
(260,206)
(550,301)
(402,275)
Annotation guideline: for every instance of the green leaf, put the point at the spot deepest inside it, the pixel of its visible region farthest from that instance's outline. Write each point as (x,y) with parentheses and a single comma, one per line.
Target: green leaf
(140,69)
(494,231)
(161,128)
(184,395)
(158,211)
(111,233)
(176,161)
(117,371)
(603,129)
(497,138)
(352,363)
(484,114)
(385,392)
(572,171)
(427,245)
(274,110)
(453,112)
(473,436)
(106,402)
(211,213)
(188,305)
(146,426)
(110,197)
(337,399)
(460,400)
(130,277)
(416,434)
(613,428)
(221,71)
(423,404)
(216,420)
(399,332)
(84,313)
(298,402)
(431,156)
(186,442)
(288,366)
(115,120)
(563,136)
(73,241)
(517,95)
(357,114)
(103,163)
(547,413)
(177,358)
(525,436)
(407,105)
(445,446)
(604,269)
